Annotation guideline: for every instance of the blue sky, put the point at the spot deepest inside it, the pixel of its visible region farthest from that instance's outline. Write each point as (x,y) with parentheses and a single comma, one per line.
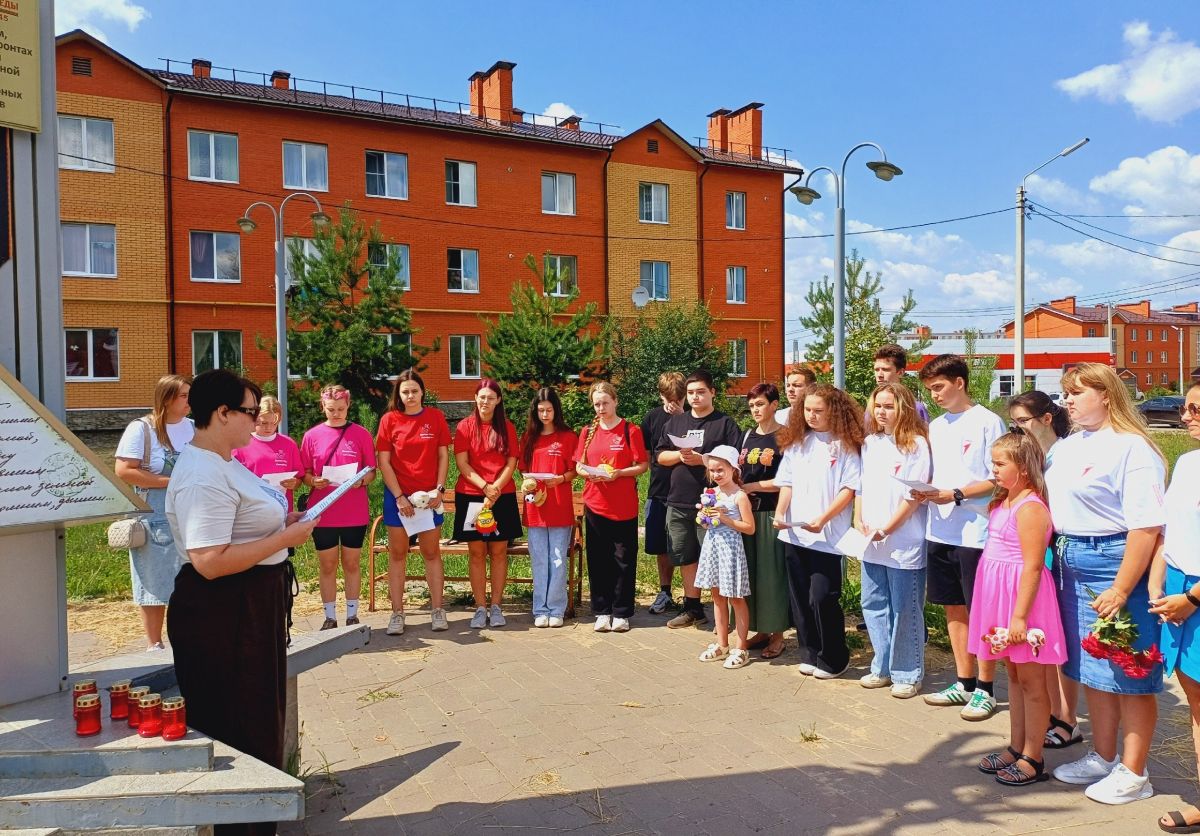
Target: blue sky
(965,97)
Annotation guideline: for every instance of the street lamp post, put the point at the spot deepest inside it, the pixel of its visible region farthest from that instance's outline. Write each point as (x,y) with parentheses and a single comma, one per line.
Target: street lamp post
(1179,331)
(319,218)
(1019,289)
(885,171)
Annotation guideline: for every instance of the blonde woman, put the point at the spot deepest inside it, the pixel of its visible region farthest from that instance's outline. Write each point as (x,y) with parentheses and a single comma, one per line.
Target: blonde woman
(271,453)
(145,457)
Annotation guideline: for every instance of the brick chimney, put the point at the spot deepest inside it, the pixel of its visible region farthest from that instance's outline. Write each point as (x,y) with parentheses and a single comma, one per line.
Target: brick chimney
(476,93)
(491,93)
(1142,307)
(281,79)
(1190,307)
(745,130)
(571,123)
(718,130)
(201,68)
(1066,305)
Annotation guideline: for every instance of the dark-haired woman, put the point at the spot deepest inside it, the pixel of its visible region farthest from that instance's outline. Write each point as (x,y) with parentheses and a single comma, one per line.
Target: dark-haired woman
(413,447)
(227,613)
(485,450)
(548,449)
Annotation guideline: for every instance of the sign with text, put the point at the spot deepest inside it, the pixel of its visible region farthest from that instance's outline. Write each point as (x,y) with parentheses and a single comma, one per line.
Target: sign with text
(48,477)
(20,66)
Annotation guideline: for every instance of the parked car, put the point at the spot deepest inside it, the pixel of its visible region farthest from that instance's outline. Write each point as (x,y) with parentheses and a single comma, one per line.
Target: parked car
(1163,410)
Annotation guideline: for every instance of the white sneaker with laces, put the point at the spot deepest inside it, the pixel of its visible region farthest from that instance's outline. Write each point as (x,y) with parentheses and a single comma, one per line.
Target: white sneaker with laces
(542,621)
(396,624)
(1087,770)
(479,620)
(496,618)
(873,681)
(620,625)
(556,621)
(905,690)
(438,620)
(1120,787)
(603,624)
(981,706)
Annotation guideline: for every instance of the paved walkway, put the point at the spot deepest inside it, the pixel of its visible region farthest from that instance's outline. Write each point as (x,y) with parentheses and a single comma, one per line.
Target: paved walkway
(525,730)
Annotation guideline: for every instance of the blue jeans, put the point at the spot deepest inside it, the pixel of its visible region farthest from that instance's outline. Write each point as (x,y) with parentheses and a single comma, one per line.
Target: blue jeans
(893,605)
(548,555)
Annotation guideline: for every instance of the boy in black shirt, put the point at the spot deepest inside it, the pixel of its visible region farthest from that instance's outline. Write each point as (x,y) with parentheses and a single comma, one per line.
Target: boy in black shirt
(671,390)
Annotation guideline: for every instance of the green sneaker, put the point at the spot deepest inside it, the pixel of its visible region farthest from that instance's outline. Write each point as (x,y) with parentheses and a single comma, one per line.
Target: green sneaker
(981,706)
(952,695)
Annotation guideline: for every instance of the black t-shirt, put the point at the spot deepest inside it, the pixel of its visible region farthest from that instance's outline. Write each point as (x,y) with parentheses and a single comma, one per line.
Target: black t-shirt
(760,460)
(660,477)
(687,482)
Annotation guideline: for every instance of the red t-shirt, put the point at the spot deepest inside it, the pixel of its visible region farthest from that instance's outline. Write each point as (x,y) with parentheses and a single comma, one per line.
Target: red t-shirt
(413,442)
(553,454)
(617,500)
(479,443)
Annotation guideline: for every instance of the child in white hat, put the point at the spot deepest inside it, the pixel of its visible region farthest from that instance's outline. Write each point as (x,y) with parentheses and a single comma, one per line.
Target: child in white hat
(722,568)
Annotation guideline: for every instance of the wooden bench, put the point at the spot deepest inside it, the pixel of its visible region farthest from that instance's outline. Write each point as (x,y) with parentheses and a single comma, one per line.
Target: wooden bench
(378,543)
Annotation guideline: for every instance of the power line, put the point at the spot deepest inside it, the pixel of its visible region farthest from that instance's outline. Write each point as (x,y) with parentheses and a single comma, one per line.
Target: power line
(1130,217)
(1113,232)
(1054,220)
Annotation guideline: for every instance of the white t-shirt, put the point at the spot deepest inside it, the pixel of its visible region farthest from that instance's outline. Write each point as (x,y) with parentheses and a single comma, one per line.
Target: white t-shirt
(213,502)
(881,494)
(133,442)
(961,446)
(816,470)
(781,415)
(1105,482)
(1181,546)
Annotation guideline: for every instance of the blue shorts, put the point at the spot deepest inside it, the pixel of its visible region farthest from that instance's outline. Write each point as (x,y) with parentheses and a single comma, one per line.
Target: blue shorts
(391,514)
(656,526)
(1178,642)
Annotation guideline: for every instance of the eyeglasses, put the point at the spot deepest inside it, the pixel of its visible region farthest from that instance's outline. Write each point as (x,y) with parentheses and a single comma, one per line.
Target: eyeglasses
(1015,429)
(1021,422)
(252,411)
(1189,410)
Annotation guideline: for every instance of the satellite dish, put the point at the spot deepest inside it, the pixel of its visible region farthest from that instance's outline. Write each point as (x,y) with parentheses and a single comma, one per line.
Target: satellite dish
(640,297)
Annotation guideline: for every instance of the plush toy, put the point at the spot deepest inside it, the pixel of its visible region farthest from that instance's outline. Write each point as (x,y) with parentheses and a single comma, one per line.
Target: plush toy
(707,518)
(997,637)
(534,491)
(485,523)
(428,499)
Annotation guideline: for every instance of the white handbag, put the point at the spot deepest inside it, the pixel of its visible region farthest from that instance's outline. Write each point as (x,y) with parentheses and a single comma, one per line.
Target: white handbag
(130,532)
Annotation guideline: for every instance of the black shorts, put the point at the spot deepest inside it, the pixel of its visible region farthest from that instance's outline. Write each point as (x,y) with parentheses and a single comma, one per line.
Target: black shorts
(504,509)
(684,537)
(349,536)
(951,573)
(656,526)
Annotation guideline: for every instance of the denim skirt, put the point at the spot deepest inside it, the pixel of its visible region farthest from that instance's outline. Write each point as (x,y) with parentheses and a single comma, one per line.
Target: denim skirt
(1178,643)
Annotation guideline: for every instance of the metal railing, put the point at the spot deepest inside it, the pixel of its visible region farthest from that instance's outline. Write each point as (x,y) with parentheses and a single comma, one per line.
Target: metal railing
(746,152)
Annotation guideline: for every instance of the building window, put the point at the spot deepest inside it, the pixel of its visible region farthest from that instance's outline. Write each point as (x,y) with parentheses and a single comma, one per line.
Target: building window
(735,210)
(1091,332)
(295,249)
(460,183)
(1162,356)
(559,271)
(1149,379)
(656,278)
(387,175)
(86,144)
(216,350)
(1164,378)
(91,353)
(1163,336)
(381,255)
(462,271)
(1133,357)
(558,193)
(652,203)
(464,355)
(735,285)
(737,358)
(305,166)
(1149,335)
(1006,385)
(216,257)
(1133,335)
(89,250)
(212,156)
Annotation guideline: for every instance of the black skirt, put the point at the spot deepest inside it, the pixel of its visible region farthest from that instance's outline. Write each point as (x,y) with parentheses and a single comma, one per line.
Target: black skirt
(508,518)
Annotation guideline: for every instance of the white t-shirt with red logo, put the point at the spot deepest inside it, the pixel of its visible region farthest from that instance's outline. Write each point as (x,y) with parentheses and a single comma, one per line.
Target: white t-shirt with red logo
(881,494)
(1105,482)
(961,447)
(816,469)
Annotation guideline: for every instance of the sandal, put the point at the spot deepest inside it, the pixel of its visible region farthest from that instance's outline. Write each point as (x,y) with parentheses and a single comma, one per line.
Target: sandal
(1012,776)
(737,658)
(993,763)
(1056,740)
(772,652)
(1178,824)
(759,640)
(713,653)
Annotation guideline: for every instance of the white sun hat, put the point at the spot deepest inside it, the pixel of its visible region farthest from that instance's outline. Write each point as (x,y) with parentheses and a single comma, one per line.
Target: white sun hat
(725,453)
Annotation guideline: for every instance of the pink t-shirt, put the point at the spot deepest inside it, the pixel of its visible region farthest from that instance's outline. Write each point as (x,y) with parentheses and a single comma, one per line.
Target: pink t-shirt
(279,455)
(356,447)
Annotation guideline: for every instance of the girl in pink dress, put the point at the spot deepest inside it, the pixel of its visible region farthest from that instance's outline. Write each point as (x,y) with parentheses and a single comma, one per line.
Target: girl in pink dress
(1015,614)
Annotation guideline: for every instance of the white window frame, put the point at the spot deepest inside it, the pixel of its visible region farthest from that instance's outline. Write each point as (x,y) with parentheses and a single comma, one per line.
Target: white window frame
(387,185)
(460,183)
(558,178)
(404,277)
(304,152)
(309,247)
(1162,356)
(89,272)
(212,177)
(1133,335)
(1164,379)
(216,335)
(1149,379)
(731,210)
(462,270)
(87,163)
(91,357)
(463,355)
(732,275)
(656,191)
(651,287)
(1133,357)
(1163,335)
(1005,383)
(213,239)
(737,352)
(559,260)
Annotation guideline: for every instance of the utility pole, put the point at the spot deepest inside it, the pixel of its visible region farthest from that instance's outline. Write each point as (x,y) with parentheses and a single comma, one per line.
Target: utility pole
(1019,295)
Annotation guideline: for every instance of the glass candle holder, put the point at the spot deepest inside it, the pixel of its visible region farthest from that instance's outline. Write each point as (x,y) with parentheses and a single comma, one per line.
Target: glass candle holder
(118,699)
(152,718)
(87,715)
(135,708)
(81,687)
(174,717)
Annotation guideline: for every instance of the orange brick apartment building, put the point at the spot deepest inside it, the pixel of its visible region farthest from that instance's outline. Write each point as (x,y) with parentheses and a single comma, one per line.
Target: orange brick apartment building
(467,191)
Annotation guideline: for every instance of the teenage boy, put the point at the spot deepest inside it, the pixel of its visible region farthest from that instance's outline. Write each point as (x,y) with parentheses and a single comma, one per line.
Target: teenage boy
(890,361)
(707,428)
(671,391)
(960,441)
(796,384)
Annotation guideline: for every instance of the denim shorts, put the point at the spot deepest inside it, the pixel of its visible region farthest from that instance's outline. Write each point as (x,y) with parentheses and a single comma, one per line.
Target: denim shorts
(1091,563)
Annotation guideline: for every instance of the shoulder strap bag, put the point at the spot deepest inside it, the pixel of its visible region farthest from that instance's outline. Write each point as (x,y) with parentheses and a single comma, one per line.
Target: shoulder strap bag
(130,532)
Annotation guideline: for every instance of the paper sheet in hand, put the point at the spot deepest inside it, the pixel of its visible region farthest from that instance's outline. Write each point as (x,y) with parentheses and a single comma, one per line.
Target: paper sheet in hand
(915,484)
(538,477)
(315,511)
(592,471)
(276,480)
(338,474)
(789,523)
(853,544)
(421,520)
(691,441)
(473,509)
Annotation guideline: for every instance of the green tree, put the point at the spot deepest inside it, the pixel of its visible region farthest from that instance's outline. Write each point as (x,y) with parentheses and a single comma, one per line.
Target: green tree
(865,325)
(346,305)
(982,366)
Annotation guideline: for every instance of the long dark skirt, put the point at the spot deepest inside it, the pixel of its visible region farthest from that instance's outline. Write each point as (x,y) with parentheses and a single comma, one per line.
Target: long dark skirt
(768,601)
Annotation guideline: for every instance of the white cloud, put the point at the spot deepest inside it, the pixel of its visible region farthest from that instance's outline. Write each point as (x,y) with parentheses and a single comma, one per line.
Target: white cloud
(1059,195)
(1159,77)
(903,275)
(927,245)
(988,287)
(88,14)
(1164,182)
(559,111)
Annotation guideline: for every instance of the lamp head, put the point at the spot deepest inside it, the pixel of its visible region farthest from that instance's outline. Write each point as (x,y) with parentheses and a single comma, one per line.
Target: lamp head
(884,170)
(805,194)
(247,224)
(1075,147)
(319,218)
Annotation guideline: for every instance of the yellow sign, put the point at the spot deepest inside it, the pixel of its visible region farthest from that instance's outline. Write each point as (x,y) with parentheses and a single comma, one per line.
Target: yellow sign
(20,66)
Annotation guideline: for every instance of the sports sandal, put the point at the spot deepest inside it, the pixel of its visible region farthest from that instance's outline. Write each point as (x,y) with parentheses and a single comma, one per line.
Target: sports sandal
(714,653)
(737,658)
(1012,776)
(1178,824)
(993,763)
(1057,740)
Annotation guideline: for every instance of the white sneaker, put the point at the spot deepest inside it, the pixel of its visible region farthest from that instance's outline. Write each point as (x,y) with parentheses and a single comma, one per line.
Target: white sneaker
(620,625)
(821,673)
(542,621)
(438,621)
(1120,787)
(396,624)
(981,706)
(556,621)
(873,681)
(807,669)
(1087,770)
(479,620)
(905,690)
(603,624)
(496,618)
